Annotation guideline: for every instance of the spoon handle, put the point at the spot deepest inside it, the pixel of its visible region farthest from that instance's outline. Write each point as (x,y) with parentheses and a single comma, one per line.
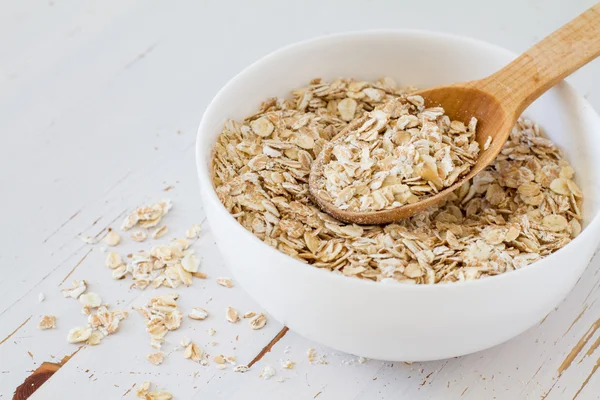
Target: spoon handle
(548,62)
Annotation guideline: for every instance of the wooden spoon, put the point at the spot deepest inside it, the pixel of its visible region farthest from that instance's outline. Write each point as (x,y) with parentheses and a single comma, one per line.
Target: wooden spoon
(496,101)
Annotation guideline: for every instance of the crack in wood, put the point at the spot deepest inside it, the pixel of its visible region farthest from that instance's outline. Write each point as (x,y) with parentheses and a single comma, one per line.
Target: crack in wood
(38,377)
(578,347)
(575,321)
(269,346)
(75,267)
(588,378)
(128,391)
(140,56)
(62,225)
(592,348)
(16,330)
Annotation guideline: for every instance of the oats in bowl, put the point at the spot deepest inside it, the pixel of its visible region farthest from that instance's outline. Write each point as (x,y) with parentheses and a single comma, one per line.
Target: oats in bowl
(521,208)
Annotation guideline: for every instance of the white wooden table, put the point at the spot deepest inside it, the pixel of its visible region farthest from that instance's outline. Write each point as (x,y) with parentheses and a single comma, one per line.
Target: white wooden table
(99,104)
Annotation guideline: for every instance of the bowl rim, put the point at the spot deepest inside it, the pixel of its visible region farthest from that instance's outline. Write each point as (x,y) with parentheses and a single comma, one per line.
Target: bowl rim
(209,193)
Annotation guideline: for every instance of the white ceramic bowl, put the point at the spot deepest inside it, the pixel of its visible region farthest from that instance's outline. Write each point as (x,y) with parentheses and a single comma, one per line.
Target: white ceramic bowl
(400,322)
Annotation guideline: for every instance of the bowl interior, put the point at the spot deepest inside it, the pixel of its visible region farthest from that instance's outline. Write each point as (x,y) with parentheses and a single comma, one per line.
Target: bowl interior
(411,58)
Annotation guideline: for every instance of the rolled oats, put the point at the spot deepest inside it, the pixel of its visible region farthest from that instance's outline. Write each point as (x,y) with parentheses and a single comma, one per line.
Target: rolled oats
(259,321)
(113,260)
(78,288)
(47,322)
(156,358)
(226,282)
(231,315)
(492,224)
(198,313)
(79,334)
(160,232)
(169,265)
(139,236)
(193,231)
(397,154)
(147,216)
(143,392)
(162,315)
(90,299)
(193,352)
(267,372)
(112,238)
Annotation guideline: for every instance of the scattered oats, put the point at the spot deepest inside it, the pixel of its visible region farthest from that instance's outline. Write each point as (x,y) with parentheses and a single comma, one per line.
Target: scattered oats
(213,343)
(311,354)
(105,321)
(204,362)
(241,368)
(161,315)
(95,338)
(160,395)
(78,288)
(221,366)
(156,358)
(143,392)
(211,332)
(185,341)
(362,360)
(312,357)
(267,372)
(112,238)
(259,321)
(120,272)
(160,232)
(193,352)
(220,359)
(169,265)
(249,314)
(226,282)
(90,300)
(287,364)
(190,262)
(47,322)
(147,216)
(193,231)
(139,236)
(89,240)
(230,360)
(198,313)
(113,260)
(231,315)
(79,334)
(41,297)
